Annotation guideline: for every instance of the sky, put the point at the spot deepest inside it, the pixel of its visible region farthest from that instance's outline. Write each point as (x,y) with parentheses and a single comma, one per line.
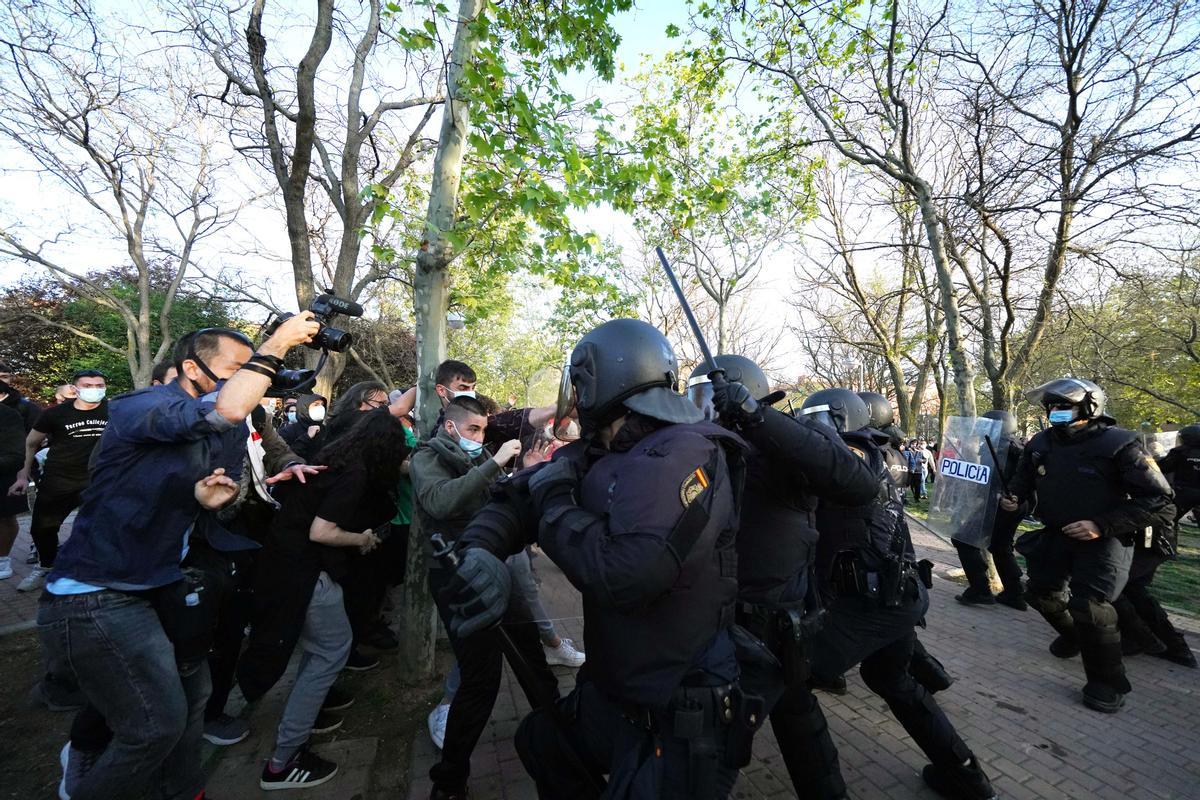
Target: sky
(39,209)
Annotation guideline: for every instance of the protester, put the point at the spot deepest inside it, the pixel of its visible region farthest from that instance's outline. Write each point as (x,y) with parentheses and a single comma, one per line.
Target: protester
(918,460)
(301,433)
(64,393)
(289,412)
(163,373)
(299,600)
(10,506)
(12,451)
(346,410)
(452,475)
(119,614)
(71,430)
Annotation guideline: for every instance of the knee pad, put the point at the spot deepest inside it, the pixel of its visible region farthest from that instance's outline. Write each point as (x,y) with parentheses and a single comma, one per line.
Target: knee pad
(1046,602)
(1093,612)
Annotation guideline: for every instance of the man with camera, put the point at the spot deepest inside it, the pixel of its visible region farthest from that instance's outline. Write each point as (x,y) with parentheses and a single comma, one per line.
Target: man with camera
(117,605)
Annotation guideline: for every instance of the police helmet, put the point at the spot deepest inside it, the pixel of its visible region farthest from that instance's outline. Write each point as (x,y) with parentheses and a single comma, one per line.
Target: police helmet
(1083,394)
(737,368)
(1190,435)
(894,434)
(840,409)
(880,409)
(1008,422)
(623,365)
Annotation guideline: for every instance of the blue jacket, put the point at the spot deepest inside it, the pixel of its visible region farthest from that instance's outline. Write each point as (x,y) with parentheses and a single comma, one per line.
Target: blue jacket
(134,516)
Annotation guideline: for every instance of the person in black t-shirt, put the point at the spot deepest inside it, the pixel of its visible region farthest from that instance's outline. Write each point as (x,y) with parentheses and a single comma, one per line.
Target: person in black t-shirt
(11,505)
(298,597)
(71,429)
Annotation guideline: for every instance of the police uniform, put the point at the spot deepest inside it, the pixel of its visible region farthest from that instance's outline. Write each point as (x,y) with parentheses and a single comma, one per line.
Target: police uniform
(867,571)
(1145,625)
(1000,544)
(791,464)
(1092,471)
(644,528)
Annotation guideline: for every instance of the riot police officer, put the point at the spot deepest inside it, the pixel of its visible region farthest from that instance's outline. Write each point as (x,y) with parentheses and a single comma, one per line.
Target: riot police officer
(877,594)
(1096,489)
(924,667)
(1145,626)
(790,465)
(640,515)
(1004,528)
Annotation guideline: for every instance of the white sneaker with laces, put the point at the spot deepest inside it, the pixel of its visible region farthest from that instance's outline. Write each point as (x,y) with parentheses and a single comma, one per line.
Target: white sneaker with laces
(36,579)
(565,655)
(437,724)
(5,568)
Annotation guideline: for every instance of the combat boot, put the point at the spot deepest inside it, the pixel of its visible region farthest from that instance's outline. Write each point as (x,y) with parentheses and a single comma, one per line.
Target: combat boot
(832,686)
(1101,697)
(1012,600)
(959,781)
(1065,646)
(1136,636)
(970,597)
(1178,652)
(1100,646)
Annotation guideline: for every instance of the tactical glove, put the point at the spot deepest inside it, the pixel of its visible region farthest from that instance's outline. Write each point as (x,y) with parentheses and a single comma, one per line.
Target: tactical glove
(477,592)
(735,404)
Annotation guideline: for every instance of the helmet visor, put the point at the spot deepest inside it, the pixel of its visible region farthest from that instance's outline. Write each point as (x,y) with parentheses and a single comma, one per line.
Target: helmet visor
(565,406)
(822,415)
(700,392)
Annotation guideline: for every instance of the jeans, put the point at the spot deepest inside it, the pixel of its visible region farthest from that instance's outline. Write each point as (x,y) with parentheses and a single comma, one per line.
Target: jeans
(525,589)
(324,648)
(115,647)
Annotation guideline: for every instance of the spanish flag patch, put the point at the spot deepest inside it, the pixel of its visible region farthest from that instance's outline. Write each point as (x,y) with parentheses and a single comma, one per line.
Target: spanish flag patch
(695,483)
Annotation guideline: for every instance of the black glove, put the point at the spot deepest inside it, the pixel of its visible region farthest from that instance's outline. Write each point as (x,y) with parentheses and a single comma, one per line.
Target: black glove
(554,484)
(477,593)
(735,405)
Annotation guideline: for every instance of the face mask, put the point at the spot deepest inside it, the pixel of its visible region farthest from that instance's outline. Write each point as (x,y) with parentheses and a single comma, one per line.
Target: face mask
(271,405)
(468,393)
(469,446)
(316,413)
(1060,416)
(291,415)
(92,394)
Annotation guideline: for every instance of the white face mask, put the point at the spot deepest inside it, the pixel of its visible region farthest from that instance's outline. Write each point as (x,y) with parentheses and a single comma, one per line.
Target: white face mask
(316,413)
(468,393)
(92,394)
(271,405)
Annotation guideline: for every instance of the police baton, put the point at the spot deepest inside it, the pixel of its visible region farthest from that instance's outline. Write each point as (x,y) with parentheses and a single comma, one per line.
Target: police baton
(543,698)
(996,465)
(715,373)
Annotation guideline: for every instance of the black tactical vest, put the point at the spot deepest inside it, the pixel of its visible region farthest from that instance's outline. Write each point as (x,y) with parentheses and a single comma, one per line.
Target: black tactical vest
(1186,474)
(873,530)
(897,466)
(1077,479)
(777,536)
(642,657)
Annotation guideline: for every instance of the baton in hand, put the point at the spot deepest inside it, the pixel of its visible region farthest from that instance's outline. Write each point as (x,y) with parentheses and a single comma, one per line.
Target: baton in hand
(543,698)
(996,465)
(715,373)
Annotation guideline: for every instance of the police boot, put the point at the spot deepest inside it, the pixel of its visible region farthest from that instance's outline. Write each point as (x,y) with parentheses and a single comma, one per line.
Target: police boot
(830,686)
(929,672)
(1100,645)
(965,781)
(1177,651)
(1136,636)
(1175,646)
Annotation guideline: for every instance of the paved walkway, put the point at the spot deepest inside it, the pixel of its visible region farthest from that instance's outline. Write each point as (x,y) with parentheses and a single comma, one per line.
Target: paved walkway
(18,609)
(1015,704)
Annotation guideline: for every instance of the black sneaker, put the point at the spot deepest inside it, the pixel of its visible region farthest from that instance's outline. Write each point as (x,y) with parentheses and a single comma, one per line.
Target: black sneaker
(960,781)
(337,700)
(326,722)
(1064,647)
(304,770)
(1102,697)
(359,662)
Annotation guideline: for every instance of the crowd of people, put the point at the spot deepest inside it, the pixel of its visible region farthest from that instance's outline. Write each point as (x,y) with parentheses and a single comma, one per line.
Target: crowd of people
(731,559)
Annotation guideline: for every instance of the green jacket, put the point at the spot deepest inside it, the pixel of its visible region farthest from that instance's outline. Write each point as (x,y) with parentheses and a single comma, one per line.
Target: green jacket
(449,486)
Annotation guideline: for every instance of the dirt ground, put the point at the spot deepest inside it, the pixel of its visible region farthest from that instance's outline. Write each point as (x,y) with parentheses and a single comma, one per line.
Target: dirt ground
(31,737)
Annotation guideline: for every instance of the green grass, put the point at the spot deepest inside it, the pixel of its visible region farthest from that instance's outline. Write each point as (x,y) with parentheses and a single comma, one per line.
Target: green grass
(1177,583)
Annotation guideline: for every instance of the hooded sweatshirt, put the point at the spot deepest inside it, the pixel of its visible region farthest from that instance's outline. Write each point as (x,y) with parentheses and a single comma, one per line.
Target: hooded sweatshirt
(449,486)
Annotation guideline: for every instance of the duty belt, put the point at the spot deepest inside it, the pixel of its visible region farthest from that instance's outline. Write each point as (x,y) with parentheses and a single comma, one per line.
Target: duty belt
(692,710)
(889,586)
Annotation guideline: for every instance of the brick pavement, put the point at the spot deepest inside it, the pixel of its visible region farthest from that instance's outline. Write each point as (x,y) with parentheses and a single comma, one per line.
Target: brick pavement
(18,609)
(1015,705)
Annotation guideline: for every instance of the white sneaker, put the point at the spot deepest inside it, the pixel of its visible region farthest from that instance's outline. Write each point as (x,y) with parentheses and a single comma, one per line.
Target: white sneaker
(5,568)
(36,579)
(437,724)
(565,655)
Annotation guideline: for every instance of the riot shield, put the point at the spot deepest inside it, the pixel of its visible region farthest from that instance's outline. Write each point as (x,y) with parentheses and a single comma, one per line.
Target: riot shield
(1159,444)
(962,505)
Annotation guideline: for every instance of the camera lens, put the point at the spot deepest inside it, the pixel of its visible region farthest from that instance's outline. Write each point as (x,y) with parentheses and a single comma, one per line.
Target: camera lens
(334,339)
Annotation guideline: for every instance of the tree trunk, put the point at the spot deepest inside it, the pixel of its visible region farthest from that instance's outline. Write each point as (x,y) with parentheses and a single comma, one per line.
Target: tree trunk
(431,295)
(964,376)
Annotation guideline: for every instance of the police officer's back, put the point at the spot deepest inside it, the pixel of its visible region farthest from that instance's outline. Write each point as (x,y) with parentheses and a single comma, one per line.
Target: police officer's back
(1095,488)
(1182,467)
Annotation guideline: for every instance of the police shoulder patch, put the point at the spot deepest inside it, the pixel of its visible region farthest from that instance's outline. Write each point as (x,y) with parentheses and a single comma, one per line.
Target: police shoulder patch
(858,452)
(695,483)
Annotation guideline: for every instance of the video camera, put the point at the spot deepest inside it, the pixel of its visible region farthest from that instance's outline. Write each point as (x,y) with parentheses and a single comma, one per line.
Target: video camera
(328,339)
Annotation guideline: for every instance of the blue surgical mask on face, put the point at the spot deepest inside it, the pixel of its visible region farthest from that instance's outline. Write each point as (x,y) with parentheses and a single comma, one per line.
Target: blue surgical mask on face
(469,446)
(1060,416)
(291,415)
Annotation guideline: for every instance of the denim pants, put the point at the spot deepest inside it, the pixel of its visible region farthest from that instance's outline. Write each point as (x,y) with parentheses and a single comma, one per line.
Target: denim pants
(115,647)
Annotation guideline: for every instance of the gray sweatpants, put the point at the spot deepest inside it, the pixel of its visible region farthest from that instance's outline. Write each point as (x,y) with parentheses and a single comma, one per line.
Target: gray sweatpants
(325,646)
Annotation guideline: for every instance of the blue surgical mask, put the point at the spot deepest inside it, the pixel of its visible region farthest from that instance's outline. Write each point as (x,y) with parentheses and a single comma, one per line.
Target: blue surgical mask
(469,446)
(1060,416)
(291,415)
(92,394)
